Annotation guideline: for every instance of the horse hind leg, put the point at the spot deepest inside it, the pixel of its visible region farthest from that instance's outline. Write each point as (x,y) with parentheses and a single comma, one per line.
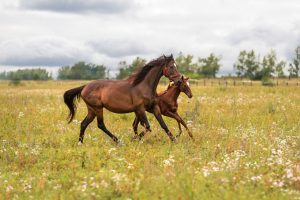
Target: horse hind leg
(84,124)
(102,126)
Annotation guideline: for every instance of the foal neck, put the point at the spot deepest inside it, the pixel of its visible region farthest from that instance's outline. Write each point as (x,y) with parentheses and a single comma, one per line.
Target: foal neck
(173,92)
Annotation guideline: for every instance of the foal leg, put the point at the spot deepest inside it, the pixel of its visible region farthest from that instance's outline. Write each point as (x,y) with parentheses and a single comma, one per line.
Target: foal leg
(84,124)
(159,118)
(180,131)
(179,120)
(101,125)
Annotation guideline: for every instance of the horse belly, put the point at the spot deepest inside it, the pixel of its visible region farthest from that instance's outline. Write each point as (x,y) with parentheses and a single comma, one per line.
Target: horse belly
(120,104)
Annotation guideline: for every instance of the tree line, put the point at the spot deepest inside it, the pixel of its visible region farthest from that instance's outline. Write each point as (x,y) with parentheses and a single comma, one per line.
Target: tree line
(26,74)
(248,65)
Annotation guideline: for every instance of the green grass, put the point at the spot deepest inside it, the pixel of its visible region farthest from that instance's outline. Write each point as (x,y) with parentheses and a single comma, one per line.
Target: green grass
(247,146)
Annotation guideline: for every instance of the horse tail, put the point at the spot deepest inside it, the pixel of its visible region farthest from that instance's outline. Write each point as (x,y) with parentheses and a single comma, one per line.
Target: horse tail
(69,99)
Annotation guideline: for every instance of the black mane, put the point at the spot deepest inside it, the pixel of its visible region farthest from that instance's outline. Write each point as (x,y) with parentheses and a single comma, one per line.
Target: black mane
(138,76)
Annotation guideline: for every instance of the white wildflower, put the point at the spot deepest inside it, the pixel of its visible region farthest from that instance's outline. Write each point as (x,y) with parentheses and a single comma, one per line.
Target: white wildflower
(278,183)
(205,171)
(111,150)
(289,173)
(118,177)
(256,178)
(130,166)
(104,184)
(9,188)
(21,114)
(169,162)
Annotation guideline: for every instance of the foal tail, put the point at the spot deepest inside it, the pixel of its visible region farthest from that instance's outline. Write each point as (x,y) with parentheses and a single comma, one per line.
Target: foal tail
(69,99)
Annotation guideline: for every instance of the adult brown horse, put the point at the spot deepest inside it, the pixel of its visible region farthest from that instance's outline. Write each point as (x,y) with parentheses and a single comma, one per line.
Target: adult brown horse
(167,102)
(136,94)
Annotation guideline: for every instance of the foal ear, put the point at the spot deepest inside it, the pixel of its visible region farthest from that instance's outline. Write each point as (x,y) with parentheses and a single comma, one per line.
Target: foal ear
(187,78)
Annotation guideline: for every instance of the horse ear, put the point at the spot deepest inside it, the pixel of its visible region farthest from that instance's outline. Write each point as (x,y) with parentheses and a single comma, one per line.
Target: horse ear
(171,56)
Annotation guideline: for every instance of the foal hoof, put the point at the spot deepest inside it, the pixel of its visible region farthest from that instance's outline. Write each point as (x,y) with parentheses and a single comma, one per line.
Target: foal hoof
(173,140)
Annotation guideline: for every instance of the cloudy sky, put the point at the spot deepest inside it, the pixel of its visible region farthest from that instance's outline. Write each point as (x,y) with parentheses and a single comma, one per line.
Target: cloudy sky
(54,33)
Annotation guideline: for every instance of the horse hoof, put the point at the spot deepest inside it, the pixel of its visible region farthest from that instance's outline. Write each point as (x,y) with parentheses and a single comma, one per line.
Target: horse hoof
(120,143)
(79,143)
(116,140)
(136,137)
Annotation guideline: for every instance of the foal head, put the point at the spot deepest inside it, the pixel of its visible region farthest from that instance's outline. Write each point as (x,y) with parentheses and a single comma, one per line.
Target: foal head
(185,87)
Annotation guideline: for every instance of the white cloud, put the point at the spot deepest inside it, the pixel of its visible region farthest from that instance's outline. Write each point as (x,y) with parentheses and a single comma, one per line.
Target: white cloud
(101,6)
(107,32)
(41,51)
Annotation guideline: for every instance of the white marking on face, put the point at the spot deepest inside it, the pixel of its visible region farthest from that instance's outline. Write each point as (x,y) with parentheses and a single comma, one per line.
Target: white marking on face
(188,84)
(175,65)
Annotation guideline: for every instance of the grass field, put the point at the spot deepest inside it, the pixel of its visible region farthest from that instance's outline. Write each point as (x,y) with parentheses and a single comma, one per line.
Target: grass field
(247,146)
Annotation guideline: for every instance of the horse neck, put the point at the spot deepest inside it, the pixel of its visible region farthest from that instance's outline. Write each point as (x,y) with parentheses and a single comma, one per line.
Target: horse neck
(151,80)
(173,92)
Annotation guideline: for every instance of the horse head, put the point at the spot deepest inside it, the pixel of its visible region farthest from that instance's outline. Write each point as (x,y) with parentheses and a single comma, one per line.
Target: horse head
(170,70)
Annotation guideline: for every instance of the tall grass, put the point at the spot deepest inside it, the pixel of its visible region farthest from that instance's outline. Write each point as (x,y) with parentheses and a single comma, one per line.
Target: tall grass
(247,146)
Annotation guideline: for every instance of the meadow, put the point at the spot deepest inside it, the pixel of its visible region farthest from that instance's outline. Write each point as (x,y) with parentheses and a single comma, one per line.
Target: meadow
(247,146)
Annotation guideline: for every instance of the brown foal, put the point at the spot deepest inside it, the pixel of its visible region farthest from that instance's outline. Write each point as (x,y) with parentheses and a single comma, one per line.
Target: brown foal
(167,102)
(136,94)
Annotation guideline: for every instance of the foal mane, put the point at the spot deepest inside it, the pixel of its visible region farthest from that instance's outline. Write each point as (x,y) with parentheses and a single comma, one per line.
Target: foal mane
(171,85)
(140,74)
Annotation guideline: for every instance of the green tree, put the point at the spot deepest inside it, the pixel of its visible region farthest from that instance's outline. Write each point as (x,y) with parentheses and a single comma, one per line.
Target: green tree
(247,65)
(269,64)
(185,63)
(209,67)
(126,70)
(29,74)
(3,76)
(82,71)
(294,67)
(279,69)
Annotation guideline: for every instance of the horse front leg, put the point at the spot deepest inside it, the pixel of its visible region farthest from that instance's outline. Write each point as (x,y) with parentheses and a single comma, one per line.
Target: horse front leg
(135,125)
(157,114)
(141,115)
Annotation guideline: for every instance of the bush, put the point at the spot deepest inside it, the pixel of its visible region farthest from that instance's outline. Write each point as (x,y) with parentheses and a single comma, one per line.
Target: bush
(267,82)
(15,81)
